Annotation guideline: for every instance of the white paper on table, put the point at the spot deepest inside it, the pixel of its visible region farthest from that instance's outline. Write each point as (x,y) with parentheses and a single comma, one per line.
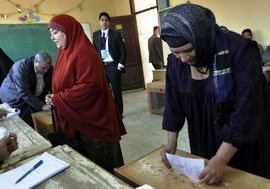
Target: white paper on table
(11,112)
(50,167)
(187,166)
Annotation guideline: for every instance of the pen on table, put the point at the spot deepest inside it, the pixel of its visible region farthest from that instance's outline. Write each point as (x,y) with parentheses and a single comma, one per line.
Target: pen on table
(29,171)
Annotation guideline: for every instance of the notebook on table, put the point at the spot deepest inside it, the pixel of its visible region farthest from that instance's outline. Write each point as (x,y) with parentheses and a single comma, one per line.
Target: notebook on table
(50,167)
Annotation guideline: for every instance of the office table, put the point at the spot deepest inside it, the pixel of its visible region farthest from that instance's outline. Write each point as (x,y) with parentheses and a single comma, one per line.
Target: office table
(82,173)
(29,141)
(150,170)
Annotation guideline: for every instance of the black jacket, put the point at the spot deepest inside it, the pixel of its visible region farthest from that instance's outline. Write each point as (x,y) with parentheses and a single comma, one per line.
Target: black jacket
(117,48)
(19,86)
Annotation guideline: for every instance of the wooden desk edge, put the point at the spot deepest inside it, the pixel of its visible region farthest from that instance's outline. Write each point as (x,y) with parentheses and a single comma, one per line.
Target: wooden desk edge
(132,182)
(135,183)
(125,178)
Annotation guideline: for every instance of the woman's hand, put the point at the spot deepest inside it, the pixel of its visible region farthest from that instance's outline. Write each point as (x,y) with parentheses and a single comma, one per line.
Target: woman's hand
(213,172)
(170,149)
(48,99)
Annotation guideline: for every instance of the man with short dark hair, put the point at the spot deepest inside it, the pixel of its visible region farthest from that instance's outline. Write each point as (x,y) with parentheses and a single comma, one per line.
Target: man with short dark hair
(112,51)
(26,85)
(155,49)
(247,33)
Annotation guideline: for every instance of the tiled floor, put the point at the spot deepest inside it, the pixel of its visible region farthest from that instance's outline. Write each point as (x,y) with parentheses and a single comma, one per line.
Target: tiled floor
(144,129)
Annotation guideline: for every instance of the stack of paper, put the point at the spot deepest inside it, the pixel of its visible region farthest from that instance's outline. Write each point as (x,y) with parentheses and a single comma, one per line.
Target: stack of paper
(50,167)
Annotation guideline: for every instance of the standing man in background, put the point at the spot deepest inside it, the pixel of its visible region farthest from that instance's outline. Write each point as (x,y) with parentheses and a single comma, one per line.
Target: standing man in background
(26,85)
(111,48)
(155,49)
(247,33)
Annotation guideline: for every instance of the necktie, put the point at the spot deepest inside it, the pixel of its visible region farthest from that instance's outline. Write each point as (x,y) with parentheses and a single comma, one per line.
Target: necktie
(103,41)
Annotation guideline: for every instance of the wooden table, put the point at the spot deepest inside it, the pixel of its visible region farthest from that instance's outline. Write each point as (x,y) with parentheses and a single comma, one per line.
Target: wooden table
(43,122)
(30,142)
(82,173)
(150,170)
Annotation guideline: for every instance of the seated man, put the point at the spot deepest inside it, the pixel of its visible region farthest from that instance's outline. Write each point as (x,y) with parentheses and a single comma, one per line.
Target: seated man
(8,145)
(26,85)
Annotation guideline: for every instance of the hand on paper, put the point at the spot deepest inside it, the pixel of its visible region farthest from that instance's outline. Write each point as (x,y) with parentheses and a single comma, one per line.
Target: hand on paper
(213,172)
(48,99)
(46,107)
(171,149)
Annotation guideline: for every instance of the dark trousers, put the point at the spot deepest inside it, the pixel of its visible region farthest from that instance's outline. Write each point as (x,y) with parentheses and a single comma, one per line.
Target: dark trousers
(106,155)
(114,78)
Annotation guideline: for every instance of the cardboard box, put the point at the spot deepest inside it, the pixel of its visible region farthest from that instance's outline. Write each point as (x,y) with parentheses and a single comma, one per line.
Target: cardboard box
(156,97)
(43,122)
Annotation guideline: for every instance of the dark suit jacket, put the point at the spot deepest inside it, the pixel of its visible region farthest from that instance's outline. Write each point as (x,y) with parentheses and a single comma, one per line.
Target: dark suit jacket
(155,50)
(117,48)
(19,86)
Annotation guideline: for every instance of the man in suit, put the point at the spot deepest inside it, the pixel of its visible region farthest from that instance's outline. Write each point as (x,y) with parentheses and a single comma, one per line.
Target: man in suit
(26,85)
(112,51)
(155,49)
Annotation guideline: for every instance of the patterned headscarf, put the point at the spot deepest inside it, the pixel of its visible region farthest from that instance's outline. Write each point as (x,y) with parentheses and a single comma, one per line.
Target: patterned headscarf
(196,24)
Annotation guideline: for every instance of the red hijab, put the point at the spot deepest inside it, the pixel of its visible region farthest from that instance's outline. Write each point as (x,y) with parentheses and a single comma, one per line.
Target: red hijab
(81,95)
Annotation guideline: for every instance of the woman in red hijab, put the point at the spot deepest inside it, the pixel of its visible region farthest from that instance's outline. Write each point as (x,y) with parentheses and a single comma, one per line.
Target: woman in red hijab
(84,106)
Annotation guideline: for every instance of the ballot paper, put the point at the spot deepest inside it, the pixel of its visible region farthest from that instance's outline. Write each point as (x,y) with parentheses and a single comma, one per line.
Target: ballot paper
(187,166)
(3,132)
(50,167)
(145,186)
(11,112)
